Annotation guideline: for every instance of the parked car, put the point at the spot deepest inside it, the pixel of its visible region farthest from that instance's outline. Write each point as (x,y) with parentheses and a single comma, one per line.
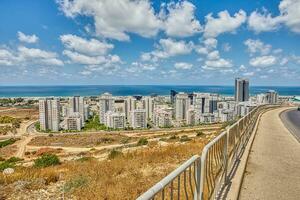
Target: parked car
(298,108)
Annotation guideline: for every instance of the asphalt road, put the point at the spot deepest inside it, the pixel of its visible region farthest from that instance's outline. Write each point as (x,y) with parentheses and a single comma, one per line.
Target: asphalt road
(291,119)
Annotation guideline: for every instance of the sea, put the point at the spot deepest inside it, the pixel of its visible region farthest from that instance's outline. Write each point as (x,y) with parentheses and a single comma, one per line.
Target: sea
(128,90)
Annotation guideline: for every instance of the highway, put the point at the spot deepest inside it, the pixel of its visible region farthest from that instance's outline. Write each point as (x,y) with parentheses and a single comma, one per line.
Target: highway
(291,119)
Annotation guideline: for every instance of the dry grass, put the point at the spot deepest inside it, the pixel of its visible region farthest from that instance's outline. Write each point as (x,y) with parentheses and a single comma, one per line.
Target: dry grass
(28,113)
(125,177)
(80,140)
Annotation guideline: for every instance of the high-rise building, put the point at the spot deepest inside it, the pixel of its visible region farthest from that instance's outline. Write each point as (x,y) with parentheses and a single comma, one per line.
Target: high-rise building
(162,117)
(77,105)
(115,120)
(182,105)
(49,114)
(172,96)
(74,121)
(106,103)
(148,106)
(241,89)
(272,97)
(138,118)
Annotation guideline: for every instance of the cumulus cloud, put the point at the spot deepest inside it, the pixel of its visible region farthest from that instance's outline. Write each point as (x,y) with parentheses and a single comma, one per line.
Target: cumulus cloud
(90,47)
(263,61)
(289,16)
(223,23)
(168,48)
(115,19)
(25,56)
(27,38)
(217,64)
(257,46)
(181,20)
(226,47)
(208,45)
(183,65)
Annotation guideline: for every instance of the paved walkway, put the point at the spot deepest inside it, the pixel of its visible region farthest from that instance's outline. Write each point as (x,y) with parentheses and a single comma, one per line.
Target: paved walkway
(273,168)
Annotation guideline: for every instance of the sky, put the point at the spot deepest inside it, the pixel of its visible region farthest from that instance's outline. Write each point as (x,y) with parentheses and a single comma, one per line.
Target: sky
(143,42)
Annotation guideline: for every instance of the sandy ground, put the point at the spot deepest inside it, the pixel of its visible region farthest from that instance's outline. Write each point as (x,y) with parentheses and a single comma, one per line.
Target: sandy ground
(272,170)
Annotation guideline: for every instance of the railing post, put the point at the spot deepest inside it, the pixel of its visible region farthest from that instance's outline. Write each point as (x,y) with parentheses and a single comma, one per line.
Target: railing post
(226,157)
(198,179)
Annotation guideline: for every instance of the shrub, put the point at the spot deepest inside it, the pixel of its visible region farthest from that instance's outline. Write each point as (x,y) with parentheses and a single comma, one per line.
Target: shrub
(13,160)
(5,165)
(184,138)
(124,140)
(83,159)
(173,137)
(114,153)
(7,142)
(47,160)
(199,133)
(142,141)
(74,183)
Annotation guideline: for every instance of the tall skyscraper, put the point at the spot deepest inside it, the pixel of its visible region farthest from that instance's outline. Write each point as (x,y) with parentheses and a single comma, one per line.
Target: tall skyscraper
(49,114)
(77,105)
(182,105)
(172,96)
(106,103)
(241,89)
(148,106)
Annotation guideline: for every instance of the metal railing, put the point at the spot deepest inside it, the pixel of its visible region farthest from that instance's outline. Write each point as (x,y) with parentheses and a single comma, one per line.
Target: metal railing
(202,177)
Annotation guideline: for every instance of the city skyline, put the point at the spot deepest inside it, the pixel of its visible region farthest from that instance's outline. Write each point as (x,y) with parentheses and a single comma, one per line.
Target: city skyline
(173,43)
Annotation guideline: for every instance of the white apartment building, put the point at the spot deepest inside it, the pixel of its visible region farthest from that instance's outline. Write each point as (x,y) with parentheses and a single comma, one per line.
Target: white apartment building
(115,120)
(191,120)
(49,114)
(182,105)
(74,121)
(148,106)
(106,103)
(138,118)
(162,117)
(77,105)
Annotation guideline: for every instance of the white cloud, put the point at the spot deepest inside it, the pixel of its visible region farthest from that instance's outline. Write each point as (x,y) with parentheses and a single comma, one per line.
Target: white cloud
(208,45)
(226,47)
(257,46)
(91,47)
(289,16)
(27,38)
(91,60)
(39,56)
(214,55)
(263,22)
(25,56)
(183,65)
(248,74)
(181,20)
(284,61)
(168,48)
(242,68)
(115,19)
(224,23)
(217,64)
(263,61)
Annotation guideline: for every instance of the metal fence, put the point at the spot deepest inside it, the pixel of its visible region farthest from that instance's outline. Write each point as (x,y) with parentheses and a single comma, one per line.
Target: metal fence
(202,177)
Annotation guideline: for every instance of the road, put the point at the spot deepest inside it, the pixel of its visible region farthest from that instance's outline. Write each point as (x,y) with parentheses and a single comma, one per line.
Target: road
(291,119)
(272,170)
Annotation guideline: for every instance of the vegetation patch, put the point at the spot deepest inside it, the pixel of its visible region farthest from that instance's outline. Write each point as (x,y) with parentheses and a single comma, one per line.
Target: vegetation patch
(142,141)
(74,183)
(7,142)
(46,160)
(184,138)
(114,153)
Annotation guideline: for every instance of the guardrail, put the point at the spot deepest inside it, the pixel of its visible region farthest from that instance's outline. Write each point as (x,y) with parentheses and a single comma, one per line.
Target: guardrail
(202,177)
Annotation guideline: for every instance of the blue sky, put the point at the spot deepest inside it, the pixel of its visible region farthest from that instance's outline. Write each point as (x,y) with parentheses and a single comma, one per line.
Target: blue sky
(204,42)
